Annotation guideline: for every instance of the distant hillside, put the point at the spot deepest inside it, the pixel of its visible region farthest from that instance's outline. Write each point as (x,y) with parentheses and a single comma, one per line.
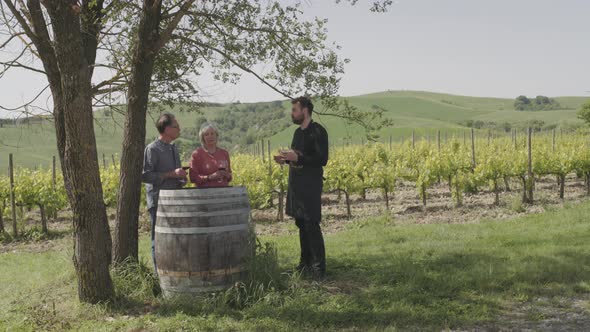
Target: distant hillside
(242,124)
(427,112)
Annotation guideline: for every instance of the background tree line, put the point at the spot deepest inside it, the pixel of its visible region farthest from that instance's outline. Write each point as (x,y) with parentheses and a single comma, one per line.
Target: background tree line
(539,103)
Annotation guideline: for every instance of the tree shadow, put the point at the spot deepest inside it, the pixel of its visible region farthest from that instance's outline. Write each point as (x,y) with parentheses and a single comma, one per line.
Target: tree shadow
(422,289)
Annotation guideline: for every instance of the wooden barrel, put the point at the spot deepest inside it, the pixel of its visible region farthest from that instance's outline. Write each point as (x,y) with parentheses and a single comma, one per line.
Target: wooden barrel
(202,239)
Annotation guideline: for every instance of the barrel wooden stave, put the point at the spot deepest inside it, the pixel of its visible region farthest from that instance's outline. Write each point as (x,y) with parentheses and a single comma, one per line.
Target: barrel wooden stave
(202,246)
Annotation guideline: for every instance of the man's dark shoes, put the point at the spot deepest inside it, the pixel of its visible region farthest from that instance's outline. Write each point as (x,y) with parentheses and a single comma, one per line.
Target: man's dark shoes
(301,268)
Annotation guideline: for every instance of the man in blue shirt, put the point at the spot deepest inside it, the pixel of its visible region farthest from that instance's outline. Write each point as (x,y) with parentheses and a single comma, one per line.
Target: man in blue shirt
(161,167)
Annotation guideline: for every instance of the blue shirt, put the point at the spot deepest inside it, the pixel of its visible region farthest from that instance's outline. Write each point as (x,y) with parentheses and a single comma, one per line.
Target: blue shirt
(159,158)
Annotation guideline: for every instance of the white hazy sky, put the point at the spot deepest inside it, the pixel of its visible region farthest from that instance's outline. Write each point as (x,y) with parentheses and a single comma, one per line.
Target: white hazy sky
(500,48)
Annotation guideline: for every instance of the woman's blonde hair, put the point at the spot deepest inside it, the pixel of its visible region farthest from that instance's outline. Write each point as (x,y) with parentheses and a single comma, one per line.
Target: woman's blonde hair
(204,127)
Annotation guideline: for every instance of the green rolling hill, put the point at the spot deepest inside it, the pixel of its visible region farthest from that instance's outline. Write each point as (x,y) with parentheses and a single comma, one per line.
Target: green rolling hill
(423,112)
(427,112)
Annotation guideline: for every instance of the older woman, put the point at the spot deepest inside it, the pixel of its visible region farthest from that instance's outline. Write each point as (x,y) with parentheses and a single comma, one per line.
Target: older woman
(210,166)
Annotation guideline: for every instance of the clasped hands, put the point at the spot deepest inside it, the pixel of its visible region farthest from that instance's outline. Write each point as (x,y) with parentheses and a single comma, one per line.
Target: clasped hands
(285,156)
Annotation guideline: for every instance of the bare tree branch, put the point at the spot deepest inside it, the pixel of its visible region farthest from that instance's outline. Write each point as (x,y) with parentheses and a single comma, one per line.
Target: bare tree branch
(27,104)
(113,81)
(14,63)
(21,20)
(11,38)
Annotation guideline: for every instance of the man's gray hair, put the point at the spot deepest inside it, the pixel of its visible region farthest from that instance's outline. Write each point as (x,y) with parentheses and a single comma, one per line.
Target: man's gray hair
(204,127)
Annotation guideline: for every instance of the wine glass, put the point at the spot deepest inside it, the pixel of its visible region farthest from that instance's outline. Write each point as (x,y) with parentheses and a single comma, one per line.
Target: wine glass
(183,180)
(222,166)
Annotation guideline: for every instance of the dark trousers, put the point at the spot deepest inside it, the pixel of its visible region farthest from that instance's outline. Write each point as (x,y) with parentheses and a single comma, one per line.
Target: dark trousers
(153,212)
(313,252)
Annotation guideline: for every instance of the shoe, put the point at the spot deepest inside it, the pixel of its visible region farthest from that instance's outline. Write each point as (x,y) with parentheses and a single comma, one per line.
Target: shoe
(318,274)
(318,271)
(301,268)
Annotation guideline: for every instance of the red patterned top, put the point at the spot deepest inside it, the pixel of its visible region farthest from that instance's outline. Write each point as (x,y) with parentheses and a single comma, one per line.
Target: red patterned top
(204,163)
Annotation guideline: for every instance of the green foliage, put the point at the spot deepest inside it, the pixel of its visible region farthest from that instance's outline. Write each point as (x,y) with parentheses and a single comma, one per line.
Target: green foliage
(4,195)
(134,281)
(35,188)
(109,177)
(584,113)
(516,205)
(353,169)
(34,234)
(260,179)
(540,103)
(233,37)
(5,237)
(265,282)
(241,125)
(535,124)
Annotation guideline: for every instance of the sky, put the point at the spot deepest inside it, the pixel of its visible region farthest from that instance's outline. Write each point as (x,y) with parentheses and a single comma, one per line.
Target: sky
(498,48)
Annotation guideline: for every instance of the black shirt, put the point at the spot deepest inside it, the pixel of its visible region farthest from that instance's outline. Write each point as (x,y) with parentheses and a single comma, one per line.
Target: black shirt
(311,144)
(306,175)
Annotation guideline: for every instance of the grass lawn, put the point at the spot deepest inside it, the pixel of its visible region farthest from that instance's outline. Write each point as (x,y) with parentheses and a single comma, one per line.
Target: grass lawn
(530,272)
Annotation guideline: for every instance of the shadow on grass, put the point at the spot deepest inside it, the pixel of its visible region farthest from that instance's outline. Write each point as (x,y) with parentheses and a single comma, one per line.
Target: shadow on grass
(34,234)
(421,289)
(449,290)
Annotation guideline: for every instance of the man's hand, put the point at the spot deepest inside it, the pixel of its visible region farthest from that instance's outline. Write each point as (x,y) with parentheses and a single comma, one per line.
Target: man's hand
(180,173)
(279,159)
(290,155)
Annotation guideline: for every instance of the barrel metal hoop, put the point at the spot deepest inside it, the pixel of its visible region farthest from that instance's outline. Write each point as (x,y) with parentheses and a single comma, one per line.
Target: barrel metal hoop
(200,230)
(169,214)
(202,274)
(183,290)
(172,201)
(204,193)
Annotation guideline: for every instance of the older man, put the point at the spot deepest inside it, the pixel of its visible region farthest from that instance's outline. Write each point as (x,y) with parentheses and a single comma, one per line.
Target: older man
(161,167)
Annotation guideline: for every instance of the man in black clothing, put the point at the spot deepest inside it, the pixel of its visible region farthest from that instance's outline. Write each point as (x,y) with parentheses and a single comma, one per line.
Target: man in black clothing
(306,159)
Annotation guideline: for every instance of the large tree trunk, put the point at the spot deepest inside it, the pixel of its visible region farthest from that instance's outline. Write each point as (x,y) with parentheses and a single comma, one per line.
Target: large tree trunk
(50,65)
(126,227)
(92,240)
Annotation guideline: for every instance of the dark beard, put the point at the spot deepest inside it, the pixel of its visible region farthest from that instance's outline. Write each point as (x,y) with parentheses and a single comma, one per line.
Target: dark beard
(297,121)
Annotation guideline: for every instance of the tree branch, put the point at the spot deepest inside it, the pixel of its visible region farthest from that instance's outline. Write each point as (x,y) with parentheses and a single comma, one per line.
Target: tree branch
(25,104)
(244,28)
(21,20)
(11,38)
(92,14)
(109,82)
(14,63)
(167,33)
(237,64)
